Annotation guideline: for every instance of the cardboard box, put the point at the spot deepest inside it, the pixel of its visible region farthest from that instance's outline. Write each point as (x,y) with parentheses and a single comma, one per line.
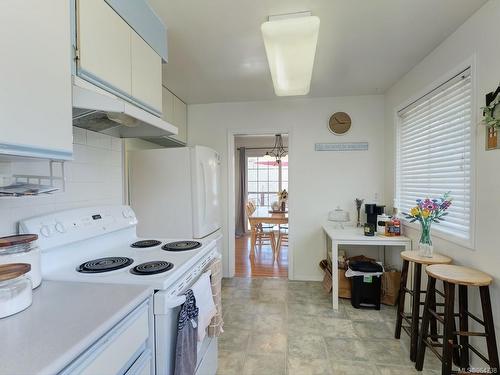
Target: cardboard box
(390,287)
(344,285)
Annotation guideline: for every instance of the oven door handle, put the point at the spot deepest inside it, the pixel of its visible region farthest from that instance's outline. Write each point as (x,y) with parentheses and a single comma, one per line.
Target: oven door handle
(164,302)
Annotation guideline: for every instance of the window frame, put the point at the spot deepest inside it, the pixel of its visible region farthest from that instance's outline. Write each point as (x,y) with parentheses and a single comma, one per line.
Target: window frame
(469,243)
(280,175)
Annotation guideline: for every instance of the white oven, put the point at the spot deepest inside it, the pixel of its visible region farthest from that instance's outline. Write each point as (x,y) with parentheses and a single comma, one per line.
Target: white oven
(166,309)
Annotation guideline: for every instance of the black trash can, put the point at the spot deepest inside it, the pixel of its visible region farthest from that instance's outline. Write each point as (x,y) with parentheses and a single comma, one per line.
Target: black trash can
(366,289)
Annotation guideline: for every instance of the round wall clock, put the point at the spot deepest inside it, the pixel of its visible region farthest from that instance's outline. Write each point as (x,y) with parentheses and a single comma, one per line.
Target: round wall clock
(339,123)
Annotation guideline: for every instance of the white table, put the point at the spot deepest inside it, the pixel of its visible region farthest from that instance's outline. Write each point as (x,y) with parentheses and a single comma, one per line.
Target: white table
(354,236)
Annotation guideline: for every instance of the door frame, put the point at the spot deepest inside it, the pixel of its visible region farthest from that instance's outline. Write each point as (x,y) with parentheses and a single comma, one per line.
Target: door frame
(231,205)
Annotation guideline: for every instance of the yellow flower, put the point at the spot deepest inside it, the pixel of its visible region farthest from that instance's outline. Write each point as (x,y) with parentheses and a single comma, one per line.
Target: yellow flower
(425,213)
(415,211)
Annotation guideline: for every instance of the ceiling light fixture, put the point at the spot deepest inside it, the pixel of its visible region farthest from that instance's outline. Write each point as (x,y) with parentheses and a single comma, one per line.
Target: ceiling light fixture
(278,152)
(290,42)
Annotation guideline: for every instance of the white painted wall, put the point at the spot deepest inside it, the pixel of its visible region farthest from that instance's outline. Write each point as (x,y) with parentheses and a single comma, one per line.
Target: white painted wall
(93,178)
(477,37)
(318,181)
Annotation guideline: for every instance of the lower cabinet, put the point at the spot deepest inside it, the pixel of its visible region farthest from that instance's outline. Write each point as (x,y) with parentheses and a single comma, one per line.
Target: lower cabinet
(125,349)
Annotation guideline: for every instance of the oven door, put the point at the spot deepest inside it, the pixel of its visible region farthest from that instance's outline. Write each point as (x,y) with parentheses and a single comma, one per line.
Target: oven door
(167,305)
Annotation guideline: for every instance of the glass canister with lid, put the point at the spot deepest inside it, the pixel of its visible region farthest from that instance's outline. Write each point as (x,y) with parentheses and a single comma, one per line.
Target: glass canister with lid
(22,249)
(15,288)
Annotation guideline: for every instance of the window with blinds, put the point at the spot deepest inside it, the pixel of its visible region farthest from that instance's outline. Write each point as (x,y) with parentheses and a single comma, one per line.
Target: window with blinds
(434,152)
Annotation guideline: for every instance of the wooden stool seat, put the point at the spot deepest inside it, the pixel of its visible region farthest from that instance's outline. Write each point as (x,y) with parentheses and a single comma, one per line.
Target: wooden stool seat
(459,275)
(413,256)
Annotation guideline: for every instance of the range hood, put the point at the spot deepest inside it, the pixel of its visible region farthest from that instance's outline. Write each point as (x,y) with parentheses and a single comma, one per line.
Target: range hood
(98,110)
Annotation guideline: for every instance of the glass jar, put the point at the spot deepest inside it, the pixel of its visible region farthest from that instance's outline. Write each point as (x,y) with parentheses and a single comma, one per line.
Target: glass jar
(15,293)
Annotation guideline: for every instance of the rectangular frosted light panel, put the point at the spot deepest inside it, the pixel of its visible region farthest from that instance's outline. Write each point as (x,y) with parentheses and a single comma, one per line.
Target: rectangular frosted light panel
(290,47)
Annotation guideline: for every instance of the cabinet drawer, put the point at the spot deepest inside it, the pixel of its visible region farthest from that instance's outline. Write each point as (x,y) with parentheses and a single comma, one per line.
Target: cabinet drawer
(104,45)
(146,73)
(118,349)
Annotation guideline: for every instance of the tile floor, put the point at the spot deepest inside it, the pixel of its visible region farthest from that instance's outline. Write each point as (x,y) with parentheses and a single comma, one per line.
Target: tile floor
(277,327)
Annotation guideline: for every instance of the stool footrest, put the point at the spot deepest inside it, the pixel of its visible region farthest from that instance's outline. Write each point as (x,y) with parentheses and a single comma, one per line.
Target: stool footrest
(431,346)
(479,354)
(469,334)
(437,316)
(475,318)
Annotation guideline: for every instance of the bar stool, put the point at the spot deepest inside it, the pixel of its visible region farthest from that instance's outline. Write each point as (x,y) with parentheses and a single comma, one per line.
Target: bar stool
(464,277)
(413,319)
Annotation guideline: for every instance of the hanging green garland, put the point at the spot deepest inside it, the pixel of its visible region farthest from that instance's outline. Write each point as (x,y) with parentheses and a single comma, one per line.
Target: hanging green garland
(492,113)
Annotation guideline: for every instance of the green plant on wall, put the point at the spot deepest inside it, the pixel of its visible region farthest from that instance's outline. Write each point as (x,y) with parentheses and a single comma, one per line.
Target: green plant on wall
(492,113)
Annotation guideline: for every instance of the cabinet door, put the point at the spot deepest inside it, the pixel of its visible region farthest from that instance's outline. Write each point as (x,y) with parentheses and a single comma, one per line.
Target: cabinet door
(104,45)
(180,119)
(35,79)
(168,106)
(146,73)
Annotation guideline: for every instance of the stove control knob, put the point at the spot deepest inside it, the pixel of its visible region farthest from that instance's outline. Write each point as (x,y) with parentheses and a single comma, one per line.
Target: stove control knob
(60,227)
(45,231)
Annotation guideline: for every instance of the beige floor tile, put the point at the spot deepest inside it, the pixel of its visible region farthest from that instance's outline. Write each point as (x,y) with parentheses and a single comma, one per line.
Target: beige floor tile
(373,330)
(274,284)
(230,362)
(353,368)
(304,366)
(307,346)
(234,339)
(273,295)
(269,323)
(273,326)
(264,364)
(347,349)
(403,370)
(267,343)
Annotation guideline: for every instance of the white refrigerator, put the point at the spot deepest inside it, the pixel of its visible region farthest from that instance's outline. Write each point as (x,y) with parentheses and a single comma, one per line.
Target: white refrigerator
(175,192)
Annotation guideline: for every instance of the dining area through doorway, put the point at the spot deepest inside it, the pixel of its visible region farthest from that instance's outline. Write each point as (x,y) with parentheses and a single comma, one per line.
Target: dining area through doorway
(261,237)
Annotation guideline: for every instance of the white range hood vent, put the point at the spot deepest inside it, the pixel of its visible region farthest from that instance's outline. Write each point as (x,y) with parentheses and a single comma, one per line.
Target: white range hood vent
(97,110)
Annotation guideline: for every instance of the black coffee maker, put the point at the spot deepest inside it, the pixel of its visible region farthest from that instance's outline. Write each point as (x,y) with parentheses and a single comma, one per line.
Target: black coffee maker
(372,210)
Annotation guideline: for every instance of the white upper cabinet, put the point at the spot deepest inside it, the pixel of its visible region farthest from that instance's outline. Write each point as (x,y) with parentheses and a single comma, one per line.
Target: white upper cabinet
(168,105)
(175,113)
(103,45)
(113,56)
(180,119)
(146,73)
(35,79)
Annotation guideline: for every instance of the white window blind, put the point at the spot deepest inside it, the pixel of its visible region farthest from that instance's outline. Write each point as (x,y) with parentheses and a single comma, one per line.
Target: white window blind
(434,152)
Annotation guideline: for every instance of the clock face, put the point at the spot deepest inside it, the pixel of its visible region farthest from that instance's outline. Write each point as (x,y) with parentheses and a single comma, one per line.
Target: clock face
(339,123)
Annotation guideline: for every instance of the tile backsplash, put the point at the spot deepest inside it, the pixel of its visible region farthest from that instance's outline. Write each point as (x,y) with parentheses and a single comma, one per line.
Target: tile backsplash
(94,177)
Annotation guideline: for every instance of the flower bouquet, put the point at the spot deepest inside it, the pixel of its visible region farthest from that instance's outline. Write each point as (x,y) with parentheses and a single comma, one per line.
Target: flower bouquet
(283,197)
(428,211)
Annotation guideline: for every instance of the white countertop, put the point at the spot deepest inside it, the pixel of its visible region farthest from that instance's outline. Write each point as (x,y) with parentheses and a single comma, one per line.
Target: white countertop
(63,321)
(353,234)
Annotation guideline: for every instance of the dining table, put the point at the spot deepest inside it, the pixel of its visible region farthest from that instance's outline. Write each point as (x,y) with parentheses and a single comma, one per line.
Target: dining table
(264,215)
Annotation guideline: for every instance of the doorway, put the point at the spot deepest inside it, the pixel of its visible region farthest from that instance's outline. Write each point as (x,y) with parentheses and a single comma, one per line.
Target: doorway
(261,205)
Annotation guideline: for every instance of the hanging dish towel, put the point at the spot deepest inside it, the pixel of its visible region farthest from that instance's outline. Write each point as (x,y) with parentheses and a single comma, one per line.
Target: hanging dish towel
(215,328)
(187,332)
(205,302)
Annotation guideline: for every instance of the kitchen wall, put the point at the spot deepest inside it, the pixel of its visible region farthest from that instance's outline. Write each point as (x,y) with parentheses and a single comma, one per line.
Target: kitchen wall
(94,177)
(318,181)
(476,38)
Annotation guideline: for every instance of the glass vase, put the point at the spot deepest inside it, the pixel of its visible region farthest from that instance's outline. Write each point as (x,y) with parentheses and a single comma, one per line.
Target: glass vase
(425,244)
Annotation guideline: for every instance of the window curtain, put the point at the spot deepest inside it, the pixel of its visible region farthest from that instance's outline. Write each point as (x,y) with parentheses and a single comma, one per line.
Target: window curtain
(242,193)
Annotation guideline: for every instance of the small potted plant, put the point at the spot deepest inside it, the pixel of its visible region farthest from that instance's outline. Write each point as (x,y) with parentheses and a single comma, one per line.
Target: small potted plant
(426,212)
(283,197)
(492,121)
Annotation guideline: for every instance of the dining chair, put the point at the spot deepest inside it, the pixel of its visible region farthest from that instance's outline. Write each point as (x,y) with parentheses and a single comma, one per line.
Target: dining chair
(264,235)
(282,239)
